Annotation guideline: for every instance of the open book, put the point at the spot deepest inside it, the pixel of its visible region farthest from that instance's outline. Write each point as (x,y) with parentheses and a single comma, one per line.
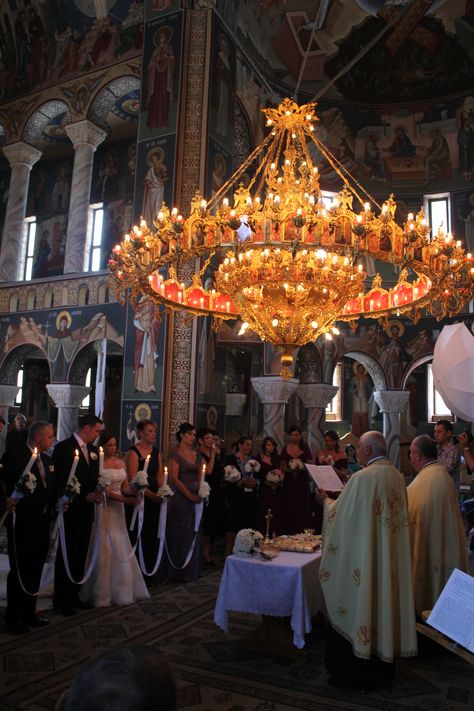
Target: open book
(324,477)
(453,613)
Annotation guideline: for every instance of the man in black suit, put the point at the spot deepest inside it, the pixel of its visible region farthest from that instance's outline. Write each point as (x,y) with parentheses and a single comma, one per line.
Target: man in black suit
(18,435)
(28,541)
(79,517)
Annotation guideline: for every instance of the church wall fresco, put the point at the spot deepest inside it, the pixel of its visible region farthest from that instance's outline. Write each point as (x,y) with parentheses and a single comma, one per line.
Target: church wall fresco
(42,43)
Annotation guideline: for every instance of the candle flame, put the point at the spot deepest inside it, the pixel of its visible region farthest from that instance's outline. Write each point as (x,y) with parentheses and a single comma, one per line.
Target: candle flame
(76,453)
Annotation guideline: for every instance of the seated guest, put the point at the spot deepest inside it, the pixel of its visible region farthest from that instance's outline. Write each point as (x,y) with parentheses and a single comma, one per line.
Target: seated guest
(271,494)
(28,541)
(447,451)
(365,572)
(241,496)
(128,678)
(436,529)
(297,514)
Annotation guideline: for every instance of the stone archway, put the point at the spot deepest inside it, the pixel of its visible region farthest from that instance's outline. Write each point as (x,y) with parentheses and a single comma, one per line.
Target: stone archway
(36,376)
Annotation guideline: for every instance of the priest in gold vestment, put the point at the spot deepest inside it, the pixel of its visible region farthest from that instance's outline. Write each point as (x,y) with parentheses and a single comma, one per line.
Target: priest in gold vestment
(437,535)
(365,572)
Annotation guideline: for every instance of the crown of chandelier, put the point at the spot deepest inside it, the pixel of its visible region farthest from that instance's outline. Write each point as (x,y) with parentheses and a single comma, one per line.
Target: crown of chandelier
(289,264)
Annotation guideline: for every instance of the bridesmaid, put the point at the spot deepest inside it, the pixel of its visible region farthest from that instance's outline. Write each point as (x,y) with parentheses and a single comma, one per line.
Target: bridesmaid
(135,462)
(297,498)
(241,498)
(213,516)
(333,456)
(185,469)
(270,494)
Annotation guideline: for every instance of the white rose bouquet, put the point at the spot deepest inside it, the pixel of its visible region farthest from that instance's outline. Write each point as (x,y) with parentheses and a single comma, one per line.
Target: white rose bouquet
(296,465)
(73,489)
(103,481)
(139,481)
(274,478)
(231,474)
(252,466)
(25,485)
(247,542)
(165,491)
(204,490)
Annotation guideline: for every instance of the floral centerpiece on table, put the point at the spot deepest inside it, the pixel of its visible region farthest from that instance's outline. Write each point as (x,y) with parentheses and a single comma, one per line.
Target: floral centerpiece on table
(247,542)
(231,474)
(274,478)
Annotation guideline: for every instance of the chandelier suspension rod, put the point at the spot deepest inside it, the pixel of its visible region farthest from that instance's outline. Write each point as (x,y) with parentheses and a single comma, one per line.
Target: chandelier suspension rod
(306,54)
(362,53)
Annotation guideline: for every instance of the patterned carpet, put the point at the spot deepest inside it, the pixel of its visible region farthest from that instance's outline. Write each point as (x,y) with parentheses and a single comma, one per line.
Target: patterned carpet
(214,670)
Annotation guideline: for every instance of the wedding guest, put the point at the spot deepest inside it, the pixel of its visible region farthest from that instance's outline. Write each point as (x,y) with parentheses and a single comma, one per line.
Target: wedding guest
(128,678)
(241,496)
(116,577)
(79,517)
(182,540)
(365,572)
(271,496)
(213,517)
(438,543)
(447,451)
(28,540)
(297,511)
(135,461)
(331,453)
(18,435)
(3,435)
(352,464)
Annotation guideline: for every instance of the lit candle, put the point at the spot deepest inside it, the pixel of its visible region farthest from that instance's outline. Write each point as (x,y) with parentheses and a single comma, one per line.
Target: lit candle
(33,457)
(75,462)
(165,480)
(227,307)
(203,472)
(201,302)
(147,461)
(180,297)
(101,460)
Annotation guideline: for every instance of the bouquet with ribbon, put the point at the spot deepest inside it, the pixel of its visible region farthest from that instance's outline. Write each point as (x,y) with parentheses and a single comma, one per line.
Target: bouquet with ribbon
(103,481)
(204,490)
(73,489)
(25,485)
(139,483)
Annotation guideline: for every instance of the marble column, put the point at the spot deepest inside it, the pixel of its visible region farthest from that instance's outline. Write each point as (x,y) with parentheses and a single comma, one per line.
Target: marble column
(22,158)
(85,136)
(274,393)
(391,404)
(315,397)
(67,398)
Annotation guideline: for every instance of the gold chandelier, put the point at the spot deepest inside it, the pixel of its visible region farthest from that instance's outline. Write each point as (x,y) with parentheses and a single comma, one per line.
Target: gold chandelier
(287,263)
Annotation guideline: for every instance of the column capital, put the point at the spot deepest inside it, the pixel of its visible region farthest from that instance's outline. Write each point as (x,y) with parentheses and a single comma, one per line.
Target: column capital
(273,389)
(65,395)
(85,133)
(8,395)
(21,152)
(391,400)
(316,394)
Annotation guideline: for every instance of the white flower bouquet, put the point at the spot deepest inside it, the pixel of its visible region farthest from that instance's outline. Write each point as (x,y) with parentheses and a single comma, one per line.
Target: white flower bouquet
(139,481)
(73,488)
(104,480)
(165,491)
(247,542)
(231,474)
(252,466)
(296,464)
(204,490)
(274,478)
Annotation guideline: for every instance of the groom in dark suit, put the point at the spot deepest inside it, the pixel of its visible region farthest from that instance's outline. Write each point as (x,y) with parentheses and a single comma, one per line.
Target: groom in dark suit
(79,517)
(28,542)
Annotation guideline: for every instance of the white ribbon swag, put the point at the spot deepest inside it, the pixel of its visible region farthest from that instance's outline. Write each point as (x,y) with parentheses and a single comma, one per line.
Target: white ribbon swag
(198,509)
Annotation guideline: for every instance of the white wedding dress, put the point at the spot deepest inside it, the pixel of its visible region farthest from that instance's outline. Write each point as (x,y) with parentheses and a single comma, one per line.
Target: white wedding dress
(116,578)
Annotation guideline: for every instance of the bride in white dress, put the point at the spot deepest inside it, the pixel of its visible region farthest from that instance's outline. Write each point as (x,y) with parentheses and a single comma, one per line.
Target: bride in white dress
(116,578)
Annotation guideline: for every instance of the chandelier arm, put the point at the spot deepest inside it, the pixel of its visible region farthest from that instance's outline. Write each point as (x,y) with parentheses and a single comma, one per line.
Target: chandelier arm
(206,263)
(236,175)
(267,160)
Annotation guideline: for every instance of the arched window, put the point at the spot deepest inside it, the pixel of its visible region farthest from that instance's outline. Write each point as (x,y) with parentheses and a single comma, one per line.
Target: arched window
(83,298)
(334,408)
(31,300)
(103,294)
(48,299)
(13,302)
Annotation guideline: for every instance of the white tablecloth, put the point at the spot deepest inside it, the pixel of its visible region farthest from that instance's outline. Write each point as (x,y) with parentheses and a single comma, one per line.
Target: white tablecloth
(287,586)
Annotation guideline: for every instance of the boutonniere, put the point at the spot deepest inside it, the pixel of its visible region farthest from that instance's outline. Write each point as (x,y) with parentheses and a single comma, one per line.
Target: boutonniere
(93,455)
(51,468)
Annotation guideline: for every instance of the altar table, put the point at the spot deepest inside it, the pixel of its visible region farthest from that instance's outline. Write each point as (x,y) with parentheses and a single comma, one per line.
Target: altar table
(287,586)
